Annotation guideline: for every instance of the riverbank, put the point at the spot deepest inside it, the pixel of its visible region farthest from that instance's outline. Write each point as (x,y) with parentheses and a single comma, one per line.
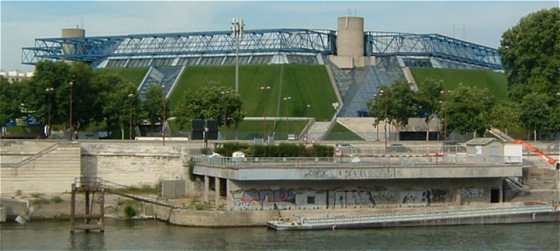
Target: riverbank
(155,235)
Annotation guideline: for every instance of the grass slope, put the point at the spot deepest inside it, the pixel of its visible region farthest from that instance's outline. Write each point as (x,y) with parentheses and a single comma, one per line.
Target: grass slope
(305,84)
(340,132)
(134,75)
(495,82)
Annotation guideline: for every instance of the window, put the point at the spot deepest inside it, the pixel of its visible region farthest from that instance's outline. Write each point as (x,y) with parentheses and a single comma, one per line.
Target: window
(310,199)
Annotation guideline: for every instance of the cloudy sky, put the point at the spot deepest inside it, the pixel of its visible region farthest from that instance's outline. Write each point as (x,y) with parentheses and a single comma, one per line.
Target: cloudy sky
(480,22)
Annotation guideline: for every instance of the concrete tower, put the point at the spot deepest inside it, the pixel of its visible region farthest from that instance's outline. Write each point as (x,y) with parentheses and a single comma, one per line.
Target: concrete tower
(350,43)
(72,33)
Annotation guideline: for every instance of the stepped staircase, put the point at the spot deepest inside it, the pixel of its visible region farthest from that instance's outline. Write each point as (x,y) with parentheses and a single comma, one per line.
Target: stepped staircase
(55,165)
(117,189)
(318,130)
(168,76)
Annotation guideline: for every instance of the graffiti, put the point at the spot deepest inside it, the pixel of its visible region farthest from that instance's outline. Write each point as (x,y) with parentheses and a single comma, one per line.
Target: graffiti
(263,199)
(439,195)
(473,192)
(415,197)
(350,173)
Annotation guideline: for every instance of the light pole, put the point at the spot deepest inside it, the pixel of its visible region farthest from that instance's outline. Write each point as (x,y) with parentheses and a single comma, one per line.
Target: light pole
(237,28)
(49,91)
(263,89)
(131,102)
(70,125)
(163,114)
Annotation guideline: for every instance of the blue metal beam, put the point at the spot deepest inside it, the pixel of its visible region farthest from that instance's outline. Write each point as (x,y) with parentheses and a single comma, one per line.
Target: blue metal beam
(96,48)
(431,45)
(91,49)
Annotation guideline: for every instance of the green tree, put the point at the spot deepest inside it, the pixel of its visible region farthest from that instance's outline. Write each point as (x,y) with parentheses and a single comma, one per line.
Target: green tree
(505,116)
(152,105)
(50,89)
(429,98)
(117,98)
(467,110)
(394,104)
(218,103)
(47,92)
(10,100)
(536,113)
(530,54)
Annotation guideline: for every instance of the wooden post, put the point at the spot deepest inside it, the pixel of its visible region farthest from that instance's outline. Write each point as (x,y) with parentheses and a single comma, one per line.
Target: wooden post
(206,188)
(217,191)
(102,210)
(73,208)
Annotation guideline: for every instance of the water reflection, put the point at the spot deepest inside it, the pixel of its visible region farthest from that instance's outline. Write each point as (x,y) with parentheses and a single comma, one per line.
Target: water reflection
(87,241)
(153,235)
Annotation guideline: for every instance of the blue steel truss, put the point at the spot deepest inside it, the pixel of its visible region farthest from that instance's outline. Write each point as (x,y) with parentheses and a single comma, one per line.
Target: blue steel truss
(92,49)
(95,49)
(431,45)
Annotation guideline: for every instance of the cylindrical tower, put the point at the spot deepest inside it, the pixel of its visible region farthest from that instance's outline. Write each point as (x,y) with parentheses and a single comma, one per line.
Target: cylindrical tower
(350,36)
(72,33)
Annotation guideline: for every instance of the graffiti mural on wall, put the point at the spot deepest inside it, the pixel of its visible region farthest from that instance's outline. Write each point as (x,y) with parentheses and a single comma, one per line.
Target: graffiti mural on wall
(263,199)
(285,199)
(472,192)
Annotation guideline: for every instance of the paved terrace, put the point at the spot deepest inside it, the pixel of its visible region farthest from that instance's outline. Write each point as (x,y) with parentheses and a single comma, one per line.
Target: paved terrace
(255,169)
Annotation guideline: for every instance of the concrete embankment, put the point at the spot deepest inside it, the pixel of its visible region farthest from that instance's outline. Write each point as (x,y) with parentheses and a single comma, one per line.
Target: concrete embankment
(220,218)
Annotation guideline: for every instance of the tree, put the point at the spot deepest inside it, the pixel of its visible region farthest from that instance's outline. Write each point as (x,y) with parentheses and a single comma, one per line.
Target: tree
(46,94)
(117,97)
(467,110)
(530,54)
(50,90)
(504,116)
(429,98)
(394,104)
(536,113)
(10,100)
(152,105)
(218,103)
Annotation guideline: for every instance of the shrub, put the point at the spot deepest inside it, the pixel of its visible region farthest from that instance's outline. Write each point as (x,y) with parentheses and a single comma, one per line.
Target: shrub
(227,149)
(322,150)
(130,211)
(56,199)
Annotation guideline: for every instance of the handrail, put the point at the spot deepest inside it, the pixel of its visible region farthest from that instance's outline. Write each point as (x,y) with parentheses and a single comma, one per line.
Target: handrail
(310,162)
(114,188)
(31,158)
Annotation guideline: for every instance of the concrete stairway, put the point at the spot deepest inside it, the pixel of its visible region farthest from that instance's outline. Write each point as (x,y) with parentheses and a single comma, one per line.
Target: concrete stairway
(318,130)
(50,171)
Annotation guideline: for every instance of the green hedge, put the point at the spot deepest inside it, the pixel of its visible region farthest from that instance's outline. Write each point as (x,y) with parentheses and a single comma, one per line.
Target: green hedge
(281,150)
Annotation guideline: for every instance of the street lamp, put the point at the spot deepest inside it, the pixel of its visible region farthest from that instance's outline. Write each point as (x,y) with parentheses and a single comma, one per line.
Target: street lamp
(131,101)
(71,126)
(49,91)
(263,89)
(237,28)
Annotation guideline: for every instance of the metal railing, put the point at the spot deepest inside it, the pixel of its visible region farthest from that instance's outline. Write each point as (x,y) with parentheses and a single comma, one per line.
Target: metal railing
(342,162)
(427,215)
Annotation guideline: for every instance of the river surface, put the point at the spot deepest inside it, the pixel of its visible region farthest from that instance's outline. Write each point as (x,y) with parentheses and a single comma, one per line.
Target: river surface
(153,235)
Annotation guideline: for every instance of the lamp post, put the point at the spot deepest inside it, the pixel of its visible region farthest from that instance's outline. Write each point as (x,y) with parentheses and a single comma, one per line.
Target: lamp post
(70,124)
(237,28)
(163,114)
(131,102)
(49,91)
(444,93)
(263,89)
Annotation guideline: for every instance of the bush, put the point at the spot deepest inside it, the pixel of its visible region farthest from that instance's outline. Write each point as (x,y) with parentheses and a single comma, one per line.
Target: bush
(130,211)
(56,199)
(322,151)
(227,149)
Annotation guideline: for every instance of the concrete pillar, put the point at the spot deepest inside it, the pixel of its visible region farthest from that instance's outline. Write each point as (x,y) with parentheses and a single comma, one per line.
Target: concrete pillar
(217,190)
(206,187)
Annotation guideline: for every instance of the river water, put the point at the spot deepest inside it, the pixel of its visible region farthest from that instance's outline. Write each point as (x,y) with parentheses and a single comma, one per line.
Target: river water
(153,235)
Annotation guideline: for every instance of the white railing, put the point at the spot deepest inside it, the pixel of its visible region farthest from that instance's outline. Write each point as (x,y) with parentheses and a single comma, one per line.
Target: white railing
(342,162)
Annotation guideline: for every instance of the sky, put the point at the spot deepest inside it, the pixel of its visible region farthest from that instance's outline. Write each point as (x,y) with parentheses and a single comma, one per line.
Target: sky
(475,21)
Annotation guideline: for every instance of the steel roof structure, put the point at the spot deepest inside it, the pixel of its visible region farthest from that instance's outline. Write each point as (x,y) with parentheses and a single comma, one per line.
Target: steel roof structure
(97,48)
